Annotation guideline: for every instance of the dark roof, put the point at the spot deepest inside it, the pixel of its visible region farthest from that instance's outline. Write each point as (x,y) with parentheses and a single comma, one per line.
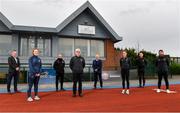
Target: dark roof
(86,5)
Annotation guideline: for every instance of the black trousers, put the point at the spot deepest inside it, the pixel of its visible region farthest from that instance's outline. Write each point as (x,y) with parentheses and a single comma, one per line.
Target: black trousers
(163,74)
(77,78)
(98,75)
(59,79)
(11,75)
(33,81)
(141,77)
(125,77)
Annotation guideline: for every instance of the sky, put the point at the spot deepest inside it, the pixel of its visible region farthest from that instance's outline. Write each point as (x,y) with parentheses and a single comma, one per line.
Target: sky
(144,24)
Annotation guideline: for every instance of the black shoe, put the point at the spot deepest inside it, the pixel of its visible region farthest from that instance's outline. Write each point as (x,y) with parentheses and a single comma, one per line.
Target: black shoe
(57,90)
(143,85)
(139,86)
(17,91)
(63,89)
(81,95)
(74,95)
(9,92)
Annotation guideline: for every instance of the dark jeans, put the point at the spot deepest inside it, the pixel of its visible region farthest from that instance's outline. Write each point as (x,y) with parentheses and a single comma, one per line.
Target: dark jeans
(162,74)
(141,78)
(33,81)
(9,79)
(96,76)
(77,78)
(125,77)
(59,78)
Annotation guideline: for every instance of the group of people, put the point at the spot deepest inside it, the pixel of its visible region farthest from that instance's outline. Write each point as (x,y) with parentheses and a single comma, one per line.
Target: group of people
(162,65)
(77,65)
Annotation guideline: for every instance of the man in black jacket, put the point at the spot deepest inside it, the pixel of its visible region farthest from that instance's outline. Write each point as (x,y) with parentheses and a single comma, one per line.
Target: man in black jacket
(97,68)
(77,64)
(14,68)
(162,64)
(59,65)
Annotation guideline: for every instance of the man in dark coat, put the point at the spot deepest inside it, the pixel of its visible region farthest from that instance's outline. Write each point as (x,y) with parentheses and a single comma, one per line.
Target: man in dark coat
(59,65)
(162,64)
(97,68)
(77,64)
(14,68)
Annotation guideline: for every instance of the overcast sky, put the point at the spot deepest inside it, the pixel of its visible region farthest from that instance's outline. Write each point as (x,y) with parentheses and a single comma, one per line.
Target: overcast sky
(151,24)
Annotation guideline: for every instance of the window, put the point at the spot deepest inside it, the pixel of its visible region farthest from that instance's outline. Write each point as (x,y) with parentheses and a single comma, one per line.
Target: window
(66,46)
(83,44)
(89,48)
(5,44)
(97,47)
(43,43)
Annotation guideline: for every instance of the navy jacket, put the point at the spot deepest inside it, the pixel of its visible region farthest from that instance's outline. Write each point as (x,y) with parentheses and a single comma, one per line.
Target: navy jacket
(97,66)
(34,65)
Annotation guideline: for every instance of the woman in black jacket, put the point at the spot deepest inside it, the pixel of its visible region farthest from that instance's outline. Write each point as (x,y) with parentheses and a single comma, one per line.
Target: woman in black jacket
(141,64)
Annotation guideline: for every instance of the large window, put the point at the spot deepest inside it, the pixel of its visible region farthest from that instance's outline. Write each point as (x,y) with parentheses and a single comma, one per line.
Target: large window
(97,47)
(66,46)
(5,44)
(89,48)
(84,46)
(43,43)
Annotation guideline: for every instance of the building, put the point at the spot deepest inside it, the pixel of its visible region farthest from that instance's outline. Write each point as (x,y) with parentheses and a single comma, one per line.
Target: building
(85,29)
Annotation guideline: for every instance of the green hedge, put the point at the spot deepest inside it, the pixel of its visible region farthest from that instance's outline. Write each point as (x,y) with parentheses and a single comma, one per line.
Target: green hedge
(175,68)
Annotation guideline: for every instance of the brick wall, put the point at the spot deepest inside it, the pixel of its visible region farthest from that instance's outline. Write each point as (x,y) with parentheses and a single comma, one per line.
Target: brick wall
(112,57)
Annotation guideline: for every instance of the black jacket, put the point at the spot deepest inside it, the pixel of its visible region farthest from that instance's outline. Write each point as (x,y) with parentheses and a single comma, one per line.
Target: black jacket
(162,64)
(77,64)
(125,63)
(141,64)
(13,64)
(59,65)
(97,66)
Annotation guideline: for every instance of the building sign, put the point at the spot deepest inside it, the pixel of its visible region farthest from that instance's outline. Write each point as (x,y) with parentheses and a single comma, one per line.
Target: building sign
(85,29)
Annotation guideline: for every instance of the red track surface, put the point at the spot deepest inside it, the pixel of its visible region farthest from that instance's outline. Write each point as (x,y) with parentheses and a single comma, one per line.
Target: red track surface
(111,100)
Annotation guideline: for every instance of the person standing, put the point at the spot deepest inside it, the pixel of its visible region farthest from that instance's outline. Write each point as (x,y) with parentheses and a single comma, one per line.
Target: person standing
(162,64)
(35,65)
(97,68)
(141,64)
(14,69)
(59,65)
(77,64)
(125,64)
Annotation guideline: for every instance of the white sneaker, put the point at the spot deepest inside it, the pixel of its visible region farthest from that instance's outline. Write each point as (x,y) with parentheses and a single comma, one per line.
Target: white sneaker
(36,98)
(158,91)
(127,92)
(123,91)
(167,91)
(29,99)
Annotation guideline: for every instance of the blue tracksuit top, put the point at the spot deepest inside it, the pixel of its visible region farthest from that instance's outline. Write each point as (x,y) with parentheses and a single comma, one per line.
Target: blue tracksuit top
(34,65)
